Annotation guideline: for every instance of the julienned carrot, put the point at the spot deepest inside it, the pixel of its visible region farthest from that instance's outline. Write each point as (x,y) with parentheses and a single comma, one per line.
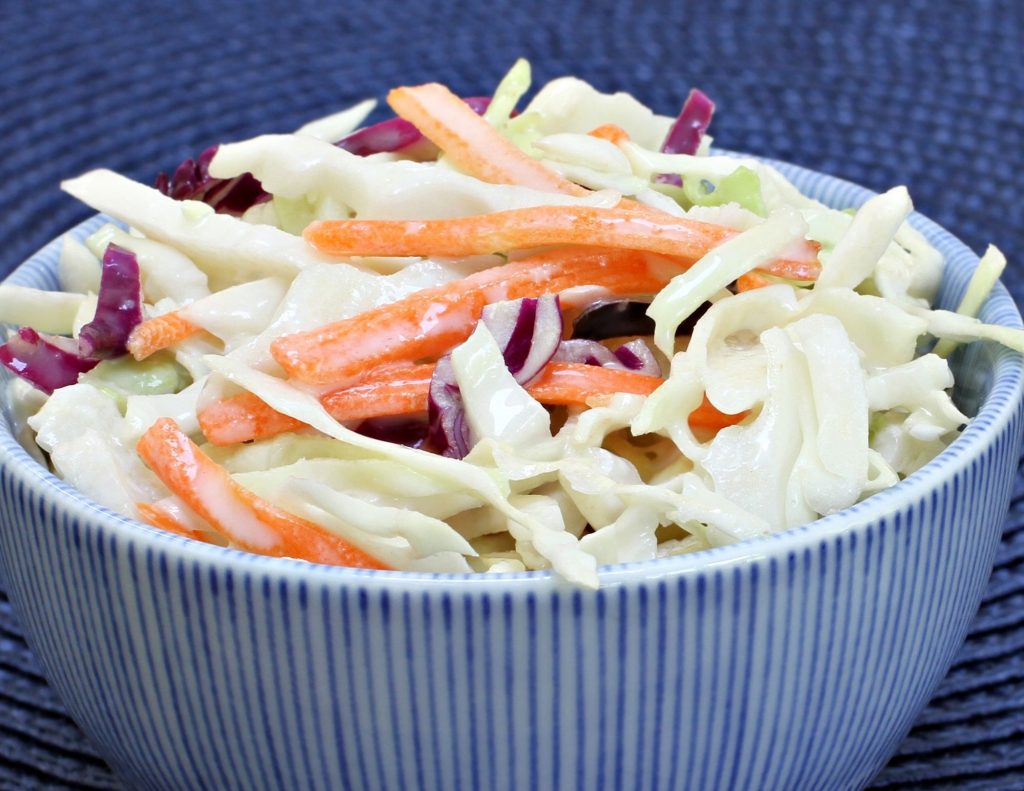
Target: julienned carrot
(577,384)
(473,144)
(157,515)
(574,384)
(516,229)
(480,150)
(159,333)
(752,280)
(401,391)
(430,322)
(477,147)
(248,521)
(617,228)
(243,418)
(707,416)
(610,132)
(385,391)
(410,329)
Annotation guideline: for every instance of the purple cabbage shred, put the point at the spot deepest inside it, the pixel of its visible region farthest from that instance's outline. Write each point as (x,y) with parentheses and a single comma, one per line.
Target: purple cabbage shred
(403,430)
(527,331)
(448,432)
(52,362)
(192,181)
(118,308)
(46,363)
(395,134)
(686,133)
(633,356)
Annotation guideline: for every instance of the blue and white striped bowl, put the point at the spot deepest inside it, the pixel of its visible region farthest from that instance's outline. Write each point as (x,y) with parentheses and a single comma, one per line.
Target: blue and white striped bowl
(794,661)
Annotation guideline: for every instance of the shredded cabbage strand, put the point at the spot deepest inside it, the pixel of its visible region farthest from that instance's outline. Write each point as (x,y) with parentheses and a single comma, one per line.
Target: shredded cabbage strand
(784,402)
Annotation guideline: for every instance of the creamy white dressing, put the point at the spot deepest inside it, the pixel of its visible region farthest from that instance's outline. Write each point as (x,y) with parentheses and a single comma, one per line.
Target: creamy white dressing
(829,399)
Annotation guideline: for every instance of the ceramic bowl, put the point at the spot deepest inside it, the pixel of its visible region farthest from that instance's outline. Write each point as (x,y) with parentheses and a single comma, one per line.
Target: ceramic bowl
(793,661)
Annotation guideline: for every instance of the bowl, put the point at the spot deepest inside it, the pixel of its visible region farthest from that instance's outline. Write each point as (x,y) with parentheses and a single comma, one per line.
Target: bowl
(797,660)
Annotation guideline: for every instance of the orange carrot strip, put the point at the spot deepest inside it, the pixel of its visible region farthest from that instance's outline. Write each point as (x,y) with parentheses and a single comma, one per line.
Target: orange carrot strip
(478,148)
(248,521)
(385,391)
(158,333)
(473,145)
(243,418)
(806,267)
(430,322)
(617,228)
(158,516)
(516,229)
(481,151)
(576,383)
(403,392)
(613,133)
(409,329)
(706,416)
(400,391)
(752,280)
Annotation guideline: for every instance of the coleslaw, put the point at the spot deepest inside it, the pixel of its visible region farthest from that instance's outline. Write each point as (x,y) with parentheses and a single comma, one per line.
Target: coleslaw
(470,339)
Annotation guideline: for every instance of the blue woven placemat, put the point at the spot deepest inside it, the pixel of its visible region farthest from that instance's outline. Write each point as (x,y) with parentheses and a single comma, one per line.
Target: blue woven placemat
(926,93)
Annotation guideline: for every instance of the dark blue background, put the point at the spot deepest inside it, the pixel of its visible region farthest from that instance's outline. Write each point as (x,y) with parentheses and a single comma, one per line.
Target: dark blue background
(930,94)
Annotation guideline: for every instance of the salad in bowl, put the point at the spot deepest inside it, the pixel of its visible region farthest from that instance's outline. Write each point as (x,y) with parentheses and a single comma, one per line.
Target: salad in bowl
(476,339)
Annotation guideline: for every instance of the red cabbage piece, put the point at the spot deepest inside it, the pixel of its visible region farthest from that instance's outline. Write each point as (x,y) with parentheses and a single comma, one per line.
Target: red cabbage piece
(46,363)
(391,135)
(688,130)
(118,308)
(613,319)
(50,363)
(637,356)
(402,430)
(527,331)
(448,431)
(395,134)
(618,317)
(192,181)
(633,356)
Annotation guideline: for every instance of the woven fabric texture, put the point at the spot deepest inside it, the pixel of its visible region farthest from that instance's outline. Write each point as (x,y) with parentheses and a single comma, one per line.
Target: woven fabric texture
(929,93)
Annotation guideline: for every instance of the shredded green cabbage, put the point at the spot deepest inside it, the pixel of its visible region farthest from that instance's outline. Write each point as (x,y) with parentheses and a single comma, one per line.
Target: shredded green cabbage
(821,394)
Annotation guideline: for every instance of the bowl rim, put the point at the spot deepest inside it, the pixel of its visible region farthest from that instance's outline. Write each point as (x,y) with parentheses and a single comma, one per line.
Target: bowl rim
(998,408)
